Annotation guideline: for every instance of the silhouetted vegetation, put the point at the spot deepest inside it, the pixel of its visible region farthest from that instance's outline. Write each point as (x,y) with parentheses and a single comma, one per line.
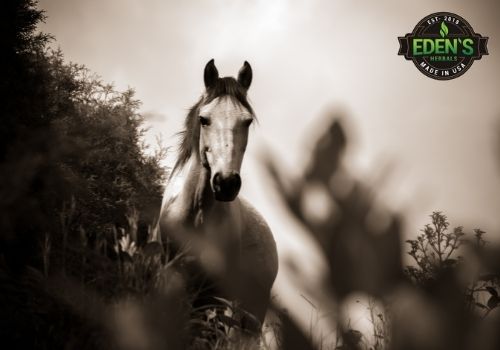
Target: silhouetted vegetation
(80,195)
(74,176)
(443,300)
(71,150)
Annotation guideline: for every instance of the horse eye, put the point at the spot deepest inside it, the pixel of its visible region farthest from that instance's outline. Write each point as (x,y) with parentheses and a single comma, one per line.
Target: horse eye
(204,121)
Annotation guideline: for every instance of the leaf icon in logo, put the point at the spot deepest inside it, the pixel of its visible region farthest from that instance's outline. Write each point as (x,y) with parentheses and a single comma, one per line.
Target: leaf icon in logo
(444,30)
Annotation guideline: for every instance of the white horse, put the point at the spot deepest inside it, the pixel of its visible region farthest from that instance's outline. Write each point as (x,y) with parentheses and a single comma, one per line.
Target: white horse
(201,211)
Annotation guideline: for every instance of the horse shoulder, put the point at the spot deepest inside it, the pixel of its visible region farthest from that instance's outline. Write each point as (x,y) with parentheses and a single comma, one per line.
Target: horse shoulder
(258,245)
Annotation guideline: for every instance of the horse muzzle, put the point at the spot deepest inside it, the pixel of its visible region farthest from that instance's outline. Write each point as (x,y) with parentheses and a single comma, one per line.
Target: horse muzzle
(226,186)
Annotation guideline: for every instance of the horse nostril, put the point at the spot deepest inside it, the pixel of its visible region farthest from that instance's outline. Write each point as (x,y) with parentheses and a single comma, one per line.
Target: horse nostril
(235,181)
(217,182)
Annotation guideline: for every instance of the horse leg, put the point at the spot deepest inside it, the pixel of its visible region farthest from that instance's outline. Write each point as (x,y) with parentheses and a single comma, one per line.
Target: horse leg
(254,304)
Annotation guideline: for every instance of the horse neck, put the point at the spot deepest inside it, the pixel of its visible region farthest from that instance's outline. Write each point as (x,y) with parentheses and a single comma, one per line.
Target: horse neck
(190,192)
(189,204)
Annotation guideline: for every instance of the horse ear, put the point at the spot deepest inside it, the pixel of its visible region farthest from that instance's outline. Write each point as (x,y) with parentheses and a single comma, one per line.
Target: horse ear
(211,74)
(245,75)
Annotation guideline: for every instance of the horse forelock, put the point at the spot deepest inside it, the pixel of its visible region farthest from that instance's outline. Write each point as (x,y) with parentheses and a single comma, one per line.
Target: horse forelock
(190,136)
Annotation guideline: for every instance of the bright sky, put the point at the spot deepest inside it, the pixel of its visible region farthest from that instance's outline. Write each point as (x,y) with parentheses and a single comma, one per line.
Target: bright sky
(438,138)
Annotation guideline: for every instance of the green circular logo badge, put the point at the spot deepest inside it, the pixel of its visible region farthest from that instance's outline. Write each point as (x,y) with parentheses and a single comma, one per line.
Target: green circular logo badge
(443,46)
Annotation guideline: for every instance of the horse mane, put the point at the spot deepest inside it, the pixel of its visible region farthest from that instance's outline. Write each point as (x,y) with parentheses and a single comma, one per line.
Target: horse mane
(190,136)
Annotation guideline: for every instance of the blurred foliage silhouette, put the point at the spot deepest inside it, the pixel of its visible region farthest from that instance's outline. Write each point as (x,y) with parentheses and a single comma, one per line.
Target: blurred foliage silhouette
(435,303)
(79,196)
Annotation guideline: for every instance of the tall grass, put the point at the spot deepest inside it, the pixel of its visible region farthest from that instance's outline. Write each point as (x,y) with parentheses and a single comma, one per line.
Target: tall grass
(136,295)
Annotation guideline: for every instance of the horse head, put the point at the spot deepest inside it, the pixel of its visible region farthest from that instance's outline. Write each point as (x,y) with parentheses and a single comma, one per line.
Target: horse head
(224,120)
